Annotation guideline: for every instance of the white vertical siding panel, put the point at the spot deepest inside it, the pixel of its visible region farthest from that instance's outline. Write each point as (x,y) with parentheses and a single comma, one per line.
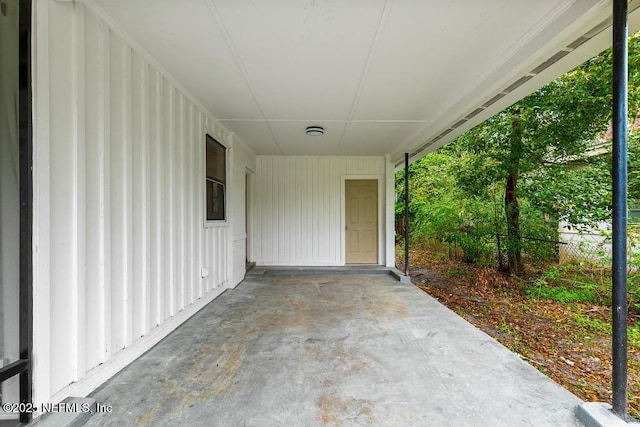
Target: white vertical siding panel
(327,206)
(275,181)
(338,213)
(107,198)
(259,211)
(273,250)
(262,213)
(315,206)
(94,190)
(167,196)
(191,196)
(191,212)
(298,203)
(77,292)
(128,193)
(146,196)
(276,207)
(282,210)
(255,213)
(124,170)
(226,245)
(214,239)
(155,189)
(189,200)
(138,300)
(270,241)
(118,196)
(219,244)
(199,164)
(302,214)
(211,260)
(62,170)
(306,208)
(222,243)
(311,207)
(267,228)
(334,226)
(285,211)
(322,200)
(297,218)
(291,210)
(178,202)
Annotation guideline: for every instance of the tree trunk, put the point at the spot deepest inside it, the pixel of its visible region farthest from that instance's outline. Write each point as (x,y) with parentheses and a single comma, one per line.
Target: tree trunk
(512,209)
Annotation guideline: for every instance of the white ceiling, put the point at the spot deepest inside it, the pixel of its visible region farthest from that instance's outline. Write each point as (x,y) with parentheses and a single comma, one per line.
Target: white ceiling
(381,76)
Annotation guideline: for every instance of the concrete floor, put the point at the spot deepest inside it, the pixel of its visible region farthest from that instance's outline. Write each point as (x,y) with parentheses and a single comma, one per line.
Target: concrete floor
(334,350)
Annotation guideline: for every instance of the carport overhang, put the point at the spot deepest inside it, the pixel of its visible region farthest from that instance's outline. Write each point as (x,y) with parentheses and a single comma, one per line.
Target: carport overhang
(381,77)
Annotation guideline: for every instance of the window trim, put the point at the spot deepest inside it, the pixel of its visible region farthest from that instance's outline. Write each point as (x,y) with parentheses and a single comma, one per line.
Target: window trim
(216,222)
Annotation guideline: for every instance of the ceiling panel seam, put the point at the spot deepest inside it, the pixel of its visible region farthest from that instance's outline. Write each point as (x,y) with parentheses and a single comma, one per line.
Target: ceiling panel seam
(245,76)
(384,16)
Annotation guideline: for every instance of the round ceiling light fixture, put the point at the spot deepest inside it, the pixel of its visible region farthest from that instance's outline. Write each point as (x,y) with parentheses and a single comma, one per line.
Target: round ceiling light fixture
(314,131)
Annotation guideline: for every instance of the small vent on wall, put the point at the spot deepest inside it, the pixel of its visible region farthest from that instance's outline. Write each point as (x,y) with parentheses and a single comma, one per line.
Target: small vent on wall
(578,42)
(458,123)
(601,27)
(474,113)
(549,62)
(445,132)
(424,147)
(522,80)
(493,100)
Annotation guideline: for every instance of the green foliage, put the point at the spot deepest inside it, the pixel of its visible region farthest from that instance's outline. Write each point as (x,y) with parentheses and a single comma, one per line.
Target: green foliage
(592,324)
(559,293)
(633,333)
(579,194)
(462,222)
(546,286)
(634,166)
(457,193)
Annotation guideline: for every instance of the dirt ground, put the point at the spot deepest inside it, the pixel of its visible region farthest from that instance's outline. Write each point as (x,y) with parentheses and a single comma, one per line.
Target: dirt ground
(559,339)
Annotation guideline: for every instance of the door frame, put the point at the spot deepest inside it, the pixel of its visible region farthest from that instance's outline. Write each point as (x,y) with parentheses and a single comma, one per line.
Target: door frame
(381,217)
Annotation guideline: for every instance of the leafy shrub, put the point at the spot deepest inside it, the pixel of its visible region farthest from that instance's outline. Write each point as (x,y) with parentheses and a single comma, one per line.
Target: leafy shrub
(560,293)
(633,332)
(461,222)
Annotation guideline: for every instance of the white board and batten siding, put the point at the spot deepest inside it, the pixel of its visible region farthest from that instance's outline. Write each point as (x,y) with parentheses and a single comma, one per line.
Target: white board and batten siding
(120,240)
(298,208)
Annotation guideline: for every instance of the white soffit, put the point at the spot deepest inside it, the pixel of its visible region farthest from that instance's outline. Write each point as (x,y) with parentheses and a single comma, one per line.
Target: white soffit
(381,76)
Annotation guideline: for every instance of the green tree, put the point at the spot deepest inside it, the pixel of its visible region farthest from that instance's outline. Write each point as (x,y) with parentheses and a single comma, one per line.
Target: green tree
(552,125)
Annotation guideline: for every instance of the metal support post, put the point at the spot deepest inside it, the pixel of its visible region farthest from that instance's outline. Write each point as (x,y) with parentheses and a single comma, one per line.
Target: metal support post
(619,238)
(406,214)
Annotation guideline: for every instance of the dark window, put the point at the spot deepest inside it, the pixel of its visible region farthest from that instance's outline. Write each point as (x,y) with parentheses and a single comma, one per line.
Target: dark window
(216,179)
